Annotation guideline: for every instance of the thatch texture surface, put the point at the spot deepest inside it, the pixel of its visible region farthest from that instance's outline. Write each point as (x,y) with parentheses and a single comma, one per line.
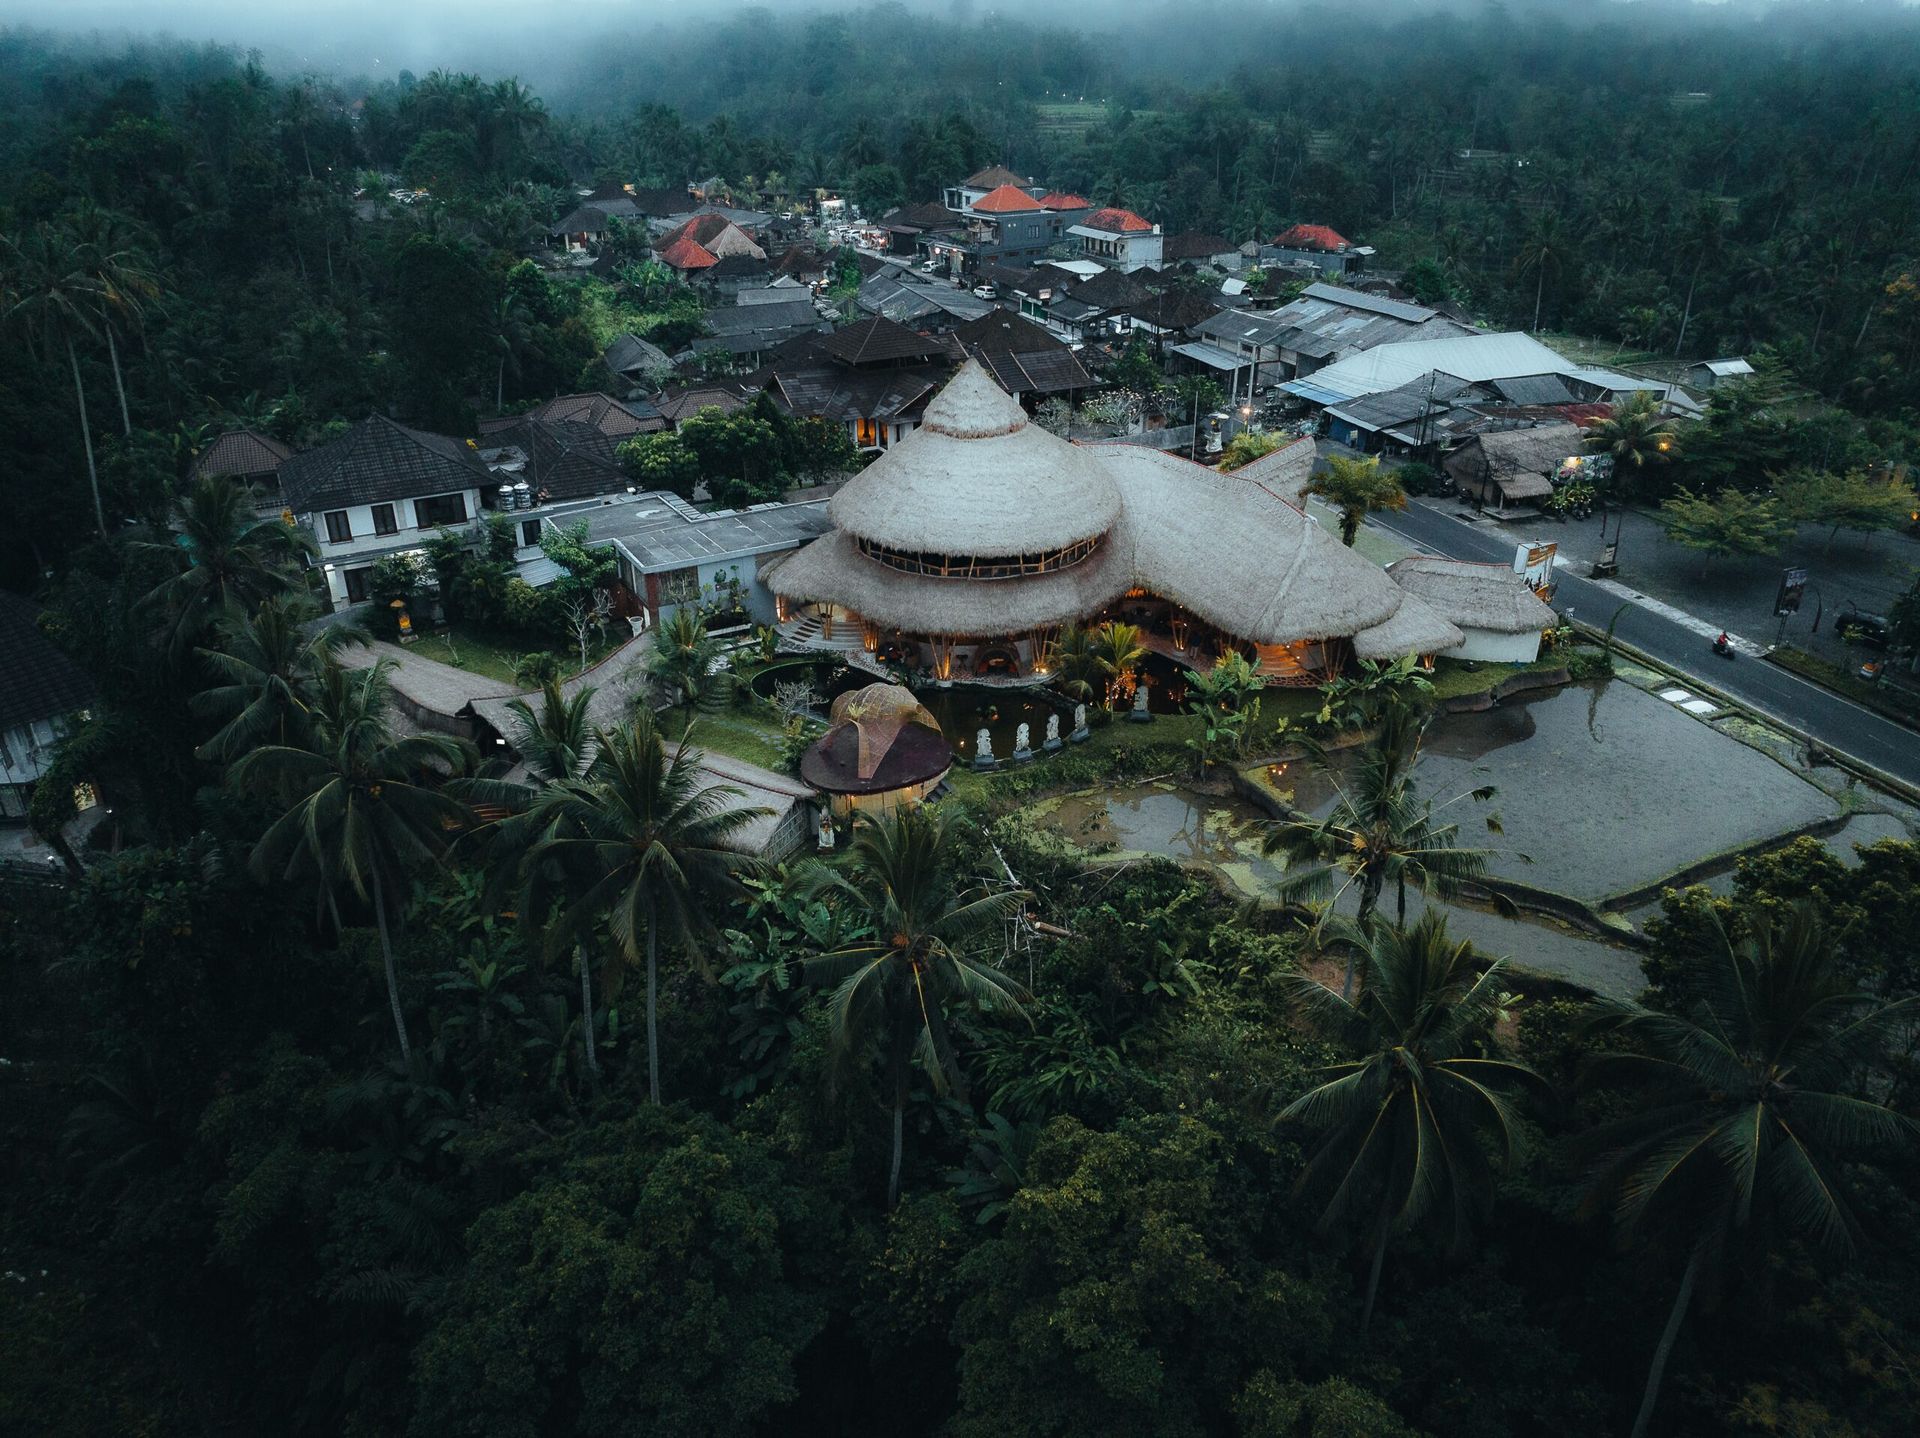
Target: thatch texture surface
(1415,628)
(977,479)
(1285,471)
(1474,596)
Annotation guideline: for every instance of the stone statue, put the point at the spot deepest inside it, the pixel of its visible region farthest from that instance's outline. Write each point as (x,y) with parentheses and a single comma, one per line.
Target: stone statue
(1053,733)
(983,750)
(825,841)
(1140,714)
(1080,734)
(1021,745)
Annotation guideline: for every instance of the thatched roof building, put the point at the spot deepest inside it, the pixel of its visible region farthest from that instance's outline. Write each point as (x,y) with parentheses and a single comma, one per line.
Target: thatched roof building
(1500,617)
(981,524)
(1513,464)
(884,747)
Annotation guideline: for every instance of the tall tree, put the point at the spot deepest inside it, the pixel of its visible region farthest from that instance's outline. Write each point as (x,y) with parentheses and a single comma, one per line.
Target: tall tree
(268,666)
(1634,434)
(892,994)
(1744,1105)
(1543,253)
(54,300)
(650,833)
(112,250)
(1357,488)
(1379,830)
(228,558)
(1406,1116)
(360,805)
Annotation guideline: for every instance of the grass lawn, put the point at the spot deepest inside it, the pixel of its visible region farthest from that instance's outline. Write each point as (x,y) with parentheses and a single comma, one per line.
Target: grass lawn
(1452,679)
(748,734)
(495,655)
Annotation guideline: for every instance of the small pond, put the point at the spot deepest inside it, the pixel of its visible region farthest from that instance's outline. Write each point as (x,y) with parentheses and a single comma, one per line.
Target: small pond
(1166,821)
(962,710)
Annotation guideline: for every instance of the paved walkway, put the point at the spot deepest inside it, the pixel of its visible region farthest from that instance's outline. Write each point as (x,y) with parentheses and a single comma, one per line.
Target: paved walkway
(617,680)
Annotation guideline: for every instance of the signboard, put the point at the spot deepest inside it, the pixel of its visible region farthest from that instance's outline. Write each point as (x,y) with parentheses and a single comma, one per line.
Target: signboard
(1534,564)
(1793,585)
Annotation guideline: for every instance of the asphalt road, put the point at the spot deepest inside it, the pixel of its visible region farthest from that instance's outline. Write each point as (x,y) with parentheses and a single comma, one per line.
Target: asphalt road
(1837,723)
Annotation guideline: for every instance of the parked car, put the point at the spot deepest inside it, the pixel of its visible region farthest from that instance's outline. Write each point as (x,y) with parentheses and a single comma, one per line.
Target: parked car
(1861,627)
(985,292)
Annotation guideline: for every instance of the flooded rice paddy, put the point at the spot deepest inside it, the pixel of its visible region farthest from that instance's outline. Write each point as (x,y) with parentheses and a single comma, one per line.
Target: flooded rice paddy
(1606,788)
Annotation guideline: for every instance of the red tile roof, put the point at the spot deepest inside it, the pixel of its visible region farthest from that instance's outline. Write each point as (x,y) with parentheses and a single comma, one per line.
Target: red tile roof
(685,254)
(1005,200)
(1061,200)
(1312,237)
(1118,220)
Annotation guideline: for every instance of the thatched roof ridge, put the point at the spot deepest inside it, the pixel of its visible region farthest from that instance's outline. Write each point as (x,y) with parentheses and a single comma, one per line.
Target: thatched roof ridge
(1415,628)
(1240,556)
(1474,596)
(977,479)
(1285,470)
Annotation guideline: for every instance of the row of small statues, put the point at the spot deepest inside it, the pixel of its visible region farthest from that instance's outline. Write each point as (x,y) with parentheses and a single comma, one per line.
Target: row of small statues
(1022,741)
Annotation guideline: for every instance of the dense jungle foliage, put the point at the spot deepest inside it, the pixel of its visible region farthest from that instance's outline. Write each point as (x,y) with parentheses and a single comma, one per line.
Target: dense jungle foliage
(356,1128)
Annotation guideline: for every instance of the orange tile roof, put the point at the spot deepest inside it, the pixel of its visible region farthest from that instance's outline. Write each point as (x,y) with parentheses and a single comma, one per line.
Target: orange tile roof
(1005,200)
(1118,220)
(1061,200)
(1312,237)
(685,254)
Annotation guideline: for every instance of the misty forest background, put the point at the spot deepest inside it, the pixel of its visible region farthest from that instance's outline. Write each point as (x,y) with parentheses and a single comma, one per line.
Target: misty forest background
(224,1209)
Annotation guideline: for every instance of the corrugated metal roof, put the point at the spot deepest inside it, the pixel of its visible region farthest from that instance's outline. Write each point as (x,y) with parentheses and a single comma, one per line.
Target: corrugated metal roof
(1471,357)
(1212,356)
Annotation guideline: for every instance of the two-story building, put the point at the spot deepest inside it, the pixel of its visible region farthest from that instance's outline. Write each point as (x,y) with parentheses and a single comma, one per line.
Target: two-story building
(1321,246)
(381,489)
(874,377)
(1120,239)
(1007,224)
(976,187)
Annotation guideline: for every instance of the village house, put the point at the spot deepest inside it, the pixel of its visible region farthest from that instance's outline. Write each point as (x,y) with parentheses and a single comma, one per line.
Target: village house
(1326,323)
(748,332)
(1195,247)
(617,419)
(1320,246)
(920,303)
(962,197)
(875,377)
(379,490)
(42,691)
(668,553)
(637,363)
(1119,238)
(1027,360)
(1710,374)
(251,458)
(1503,468)
(1081,309)
(1005,224)
(905,225)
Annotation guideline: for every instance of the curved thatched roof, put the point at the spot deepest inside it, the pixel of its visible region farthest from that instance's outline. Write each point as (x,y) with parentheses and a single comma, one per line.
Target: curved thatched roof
(882,738)
(977,479)
(1474,596)
(1414,629)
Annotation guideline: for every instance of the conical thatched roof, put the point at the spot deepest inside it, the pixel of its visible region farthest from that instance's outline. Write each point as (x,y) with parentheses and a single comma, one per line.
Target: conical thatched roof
(977,479)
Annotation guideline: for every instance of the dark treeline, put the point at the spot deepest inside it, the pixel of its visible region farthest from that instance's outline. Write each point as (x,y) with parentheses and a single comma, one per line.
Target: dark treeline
(349,1126)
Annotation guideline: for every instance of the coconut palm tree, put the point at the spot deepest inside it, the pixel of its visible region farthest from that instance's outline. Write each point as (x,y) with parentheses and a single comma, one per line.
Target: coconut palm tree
(1745,1104)
(1544,250)
(507,333)
(1075,664)
(268,666)
(641,838)
(1407,1114)
(361,805)
(557,740)
(892,993)
(1379,830)
(110,248)
(683,654)
(1634,435)
(1357,488)
(229,557)
(1117,652)
(53,299)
